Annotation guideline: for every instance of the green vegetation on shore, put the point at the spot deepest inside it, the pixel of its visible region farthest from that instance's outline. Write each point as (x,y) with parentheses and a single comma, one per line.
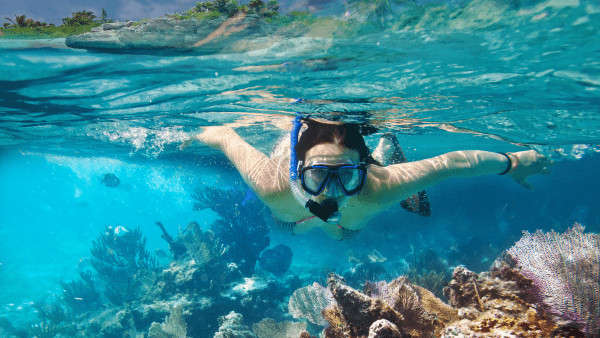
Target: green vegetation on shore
(80,22)
(83,21)
(229,8)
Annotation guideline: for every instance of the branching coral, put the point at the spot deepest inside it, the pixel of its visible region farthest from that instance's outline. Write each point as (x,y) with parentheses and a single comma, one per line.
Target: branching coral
(81,295)
(202,246)
(566,270)
(53,321)
(173,327)
(121,260)
(242,226)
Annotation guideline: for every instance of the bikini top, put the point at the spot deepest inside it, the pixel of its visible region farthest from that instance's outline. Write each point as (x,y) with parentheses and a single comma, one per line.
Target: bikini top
(289,227)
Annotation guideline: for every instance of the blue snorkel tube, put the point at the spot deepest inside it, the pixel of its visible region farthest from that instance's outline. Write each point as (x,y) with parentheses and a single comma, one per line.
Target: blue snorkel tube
(300,196)
(328,209)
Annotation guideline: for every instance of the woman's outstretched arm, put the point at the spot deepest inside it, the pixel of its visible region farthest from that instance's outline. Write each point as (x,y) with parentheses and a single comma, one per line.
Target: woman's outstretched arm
(395,182)
(267,177)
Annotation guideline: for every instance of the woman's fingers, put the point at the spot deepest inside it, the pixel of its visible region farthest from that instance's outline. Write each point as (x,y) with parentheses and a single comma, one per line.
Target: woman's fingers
(525,184)
(186,144)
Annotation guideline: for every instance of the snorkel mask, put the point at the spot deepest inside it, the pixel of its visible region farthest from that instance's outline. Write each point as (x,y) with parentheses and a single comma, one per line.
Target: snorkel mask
(312,180)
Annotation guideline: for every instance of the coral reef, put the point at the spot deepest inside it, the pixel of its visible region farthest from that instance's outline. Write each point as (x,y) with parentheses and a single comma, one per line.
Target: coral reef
(268,328)
(367,267)
(232,326)
(81,295)
(545,285)
(410,309)
(53,320)
(174,325)
(309,302)
(428,270)
(565,269)
(122,262)
(177,249)
(126,293)
(499,303)
(202,246)
(242,226)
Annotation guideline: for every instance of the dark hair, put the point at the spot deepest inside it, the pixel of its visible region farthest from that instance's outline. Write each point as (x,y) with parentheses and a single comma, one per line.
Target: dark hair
(348,135)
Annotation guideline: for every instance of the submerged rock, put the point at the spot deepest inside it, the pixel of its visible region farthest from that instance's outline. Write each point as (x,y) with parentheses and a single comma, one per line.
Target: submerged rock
(276,260)
(110,180)
(170,33)
(397,308)
(384,329)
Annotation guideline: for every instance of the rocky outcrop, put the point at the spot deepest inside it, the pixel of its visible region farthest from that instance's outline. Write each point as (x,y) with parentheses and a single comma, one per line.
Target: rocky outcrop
(219,34)
(395,309)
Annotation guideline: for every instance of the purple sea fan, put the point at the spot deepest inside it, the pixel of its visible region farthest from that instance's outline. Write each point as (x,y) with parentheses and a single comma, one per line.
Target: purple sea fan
(566,270)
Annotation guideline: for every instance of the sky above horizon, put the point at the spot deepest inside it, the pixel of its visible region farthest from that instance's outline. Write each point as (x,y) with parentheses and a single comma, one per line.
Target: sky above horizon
(53,11)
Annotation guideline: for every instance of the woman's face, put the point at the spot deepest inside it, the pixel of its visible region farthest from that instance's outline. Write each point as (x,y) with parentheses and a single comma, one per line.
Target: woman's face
(331,154)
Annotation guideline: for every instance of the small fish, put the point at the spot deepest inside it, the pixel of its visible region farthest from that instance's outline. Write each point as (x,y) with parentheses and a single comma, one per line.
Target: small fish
(78,298)
(120,230)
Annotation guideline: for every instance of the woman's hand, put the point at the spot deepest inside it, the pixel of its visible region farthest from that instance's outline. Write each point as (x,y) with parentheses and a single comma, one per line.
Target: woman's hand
(212,136)
(527,163)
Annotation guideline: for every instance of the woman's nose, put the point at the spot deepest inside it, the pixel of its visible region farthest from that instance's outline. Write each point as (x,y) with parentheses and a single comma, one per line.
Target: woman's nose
(332,189)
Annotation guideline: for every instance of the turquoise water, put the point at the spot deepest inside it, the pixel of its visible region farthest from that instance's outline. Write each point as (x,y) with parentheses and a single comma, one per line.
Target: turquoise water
(470,75)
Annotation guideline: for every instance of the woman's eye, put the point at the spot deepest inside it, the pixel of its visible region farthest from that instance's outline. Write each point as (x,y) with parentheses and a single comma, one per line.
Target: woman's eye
(317,174)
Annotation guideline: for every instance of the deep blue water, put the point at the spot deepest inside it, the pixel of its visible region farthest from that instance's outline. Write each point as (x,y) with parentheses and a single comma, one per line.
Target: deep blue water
(471,75)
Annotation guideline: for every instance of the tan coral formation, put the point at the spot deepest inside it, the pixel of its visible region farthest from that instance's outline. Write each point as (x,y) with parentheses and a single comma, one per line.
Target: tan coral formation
(491,304)
(386,308)
(498,303)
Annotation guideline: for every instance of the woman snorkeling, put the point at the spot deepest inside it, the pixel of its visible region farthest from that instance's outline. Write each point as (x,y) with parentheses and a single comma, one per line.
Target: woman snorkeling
(331,180)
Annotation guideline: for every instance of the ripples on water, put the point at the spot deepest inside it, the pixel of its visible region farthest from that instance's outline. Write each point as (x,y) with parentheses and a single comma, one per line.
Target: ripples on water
(524,72)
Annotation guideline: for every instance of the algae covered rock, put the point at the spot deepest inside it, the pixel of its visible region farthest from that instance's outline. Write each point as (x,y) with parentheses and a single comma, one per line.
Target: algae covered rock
(171,33)
(384,329)
(385,309)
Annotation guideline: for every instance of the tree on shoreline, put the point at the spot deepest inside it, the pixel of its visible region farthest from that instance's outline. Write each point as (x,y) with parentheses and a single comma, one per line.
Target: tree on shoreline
(231,8)
(80,22)
(80,18)
(22,21)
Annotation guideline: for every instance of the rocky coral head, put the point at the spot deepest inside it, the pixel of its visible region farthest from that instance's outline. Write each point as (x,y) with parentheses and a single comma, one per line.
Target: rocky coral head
(386,307)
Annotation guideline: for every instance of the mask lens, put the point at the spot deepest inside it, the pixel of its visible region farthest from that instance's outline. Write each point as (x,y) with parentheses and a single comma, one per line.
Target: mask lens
(350,178)
(314,178)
